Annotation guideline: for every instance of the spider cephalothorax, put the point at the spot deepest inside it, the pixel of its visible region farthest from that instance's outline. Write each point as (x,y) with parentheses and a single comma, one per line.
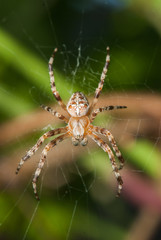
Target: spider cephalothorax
(79,126)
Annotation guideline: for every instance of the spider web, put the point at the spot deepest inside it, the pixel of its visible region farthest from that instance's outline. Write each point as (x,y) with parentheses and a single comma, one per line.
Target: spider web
(81,69)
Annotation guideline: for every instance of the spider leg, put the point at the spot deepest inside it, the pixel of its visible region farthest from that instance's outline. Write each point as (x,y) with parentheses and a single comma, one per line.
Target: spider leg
(107,149)
(42,160)
(55,113)
(111,139)
(52,82)
(102,109)
(100,85)
(38,144)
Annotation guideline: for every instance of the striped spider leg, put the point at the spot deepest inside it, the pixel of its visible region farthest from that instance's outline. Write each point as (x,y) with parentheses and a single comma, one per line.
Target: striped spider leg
(49,134)
(52,82)
(98,91)
(46,135)
(43,158)
(100,85)
(112,141)
(55,113)
(102,109)
(107,149)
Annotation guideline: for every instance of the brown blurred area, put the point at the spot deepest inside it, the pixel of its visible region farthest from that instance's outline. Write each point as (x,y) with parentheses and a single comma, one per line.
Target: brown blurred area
(141,191)
(141,107)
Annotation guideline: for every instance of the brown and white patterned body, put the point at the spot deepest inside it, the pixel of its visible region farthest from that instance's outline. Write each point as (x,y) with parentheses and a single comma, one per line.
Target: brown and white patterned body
(79,126)
(78,105)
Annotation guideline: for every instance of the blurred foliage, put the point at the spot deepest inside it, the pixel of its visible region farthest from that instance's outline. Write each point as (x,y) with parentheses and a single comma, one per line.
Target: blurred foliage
(29,67)
(135,49)
(61,220)
(29,32)
(136,153)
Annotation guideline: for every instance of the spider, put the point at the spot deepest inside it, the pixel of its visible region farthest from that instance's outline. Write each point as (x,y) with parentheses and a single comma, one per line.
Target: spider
(79,126)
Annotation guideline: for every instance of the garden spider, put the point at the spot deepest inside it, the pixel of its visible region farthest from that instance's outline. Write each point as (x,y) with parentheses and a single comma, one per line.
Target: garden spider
(79,126)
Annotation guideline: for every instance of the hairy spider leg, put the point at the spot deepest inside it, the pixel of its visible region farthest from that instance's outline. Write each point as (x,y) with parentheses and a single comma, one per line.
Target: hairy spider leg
(52,81)
(112,141)
(102,109)
(100,85)
(107,149)
(38,144)
(42,160)
(55,113)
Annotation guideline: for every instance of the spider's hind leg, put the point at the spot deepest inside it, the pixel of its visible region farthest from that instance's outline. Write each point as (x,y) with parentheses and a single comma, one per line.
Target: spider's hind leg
(112,141)
(38,144)
(107,149)
(42,160)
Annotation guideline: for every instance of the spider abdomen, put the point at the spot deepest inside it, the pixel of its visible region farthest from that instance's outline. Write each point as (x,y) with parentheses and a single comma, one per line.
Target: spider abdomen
(78,105)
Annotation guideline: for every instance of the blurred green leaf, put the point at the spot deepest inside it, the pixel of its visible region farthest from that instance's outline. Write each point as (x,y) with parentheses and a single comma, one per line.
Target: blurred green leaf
(11,104)
(146,156)
(34,69)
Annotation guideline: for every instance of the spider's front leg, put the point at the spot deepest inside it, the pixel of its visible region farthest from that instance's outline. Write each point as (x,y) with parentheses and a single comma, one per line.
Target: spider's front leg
(43,158)
(107,149)
(100,85)
(52,82)
(38,144)
(111,139)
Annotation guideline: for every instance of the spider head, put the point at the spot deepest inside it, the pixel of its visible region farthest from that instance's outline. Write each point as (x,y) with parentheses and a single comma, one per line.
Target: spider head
(78,105)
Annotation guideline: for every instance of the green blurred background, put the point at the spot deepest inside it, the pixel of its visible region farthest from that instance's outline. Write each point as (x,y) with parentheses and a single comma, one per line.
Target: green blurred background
(77,186)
